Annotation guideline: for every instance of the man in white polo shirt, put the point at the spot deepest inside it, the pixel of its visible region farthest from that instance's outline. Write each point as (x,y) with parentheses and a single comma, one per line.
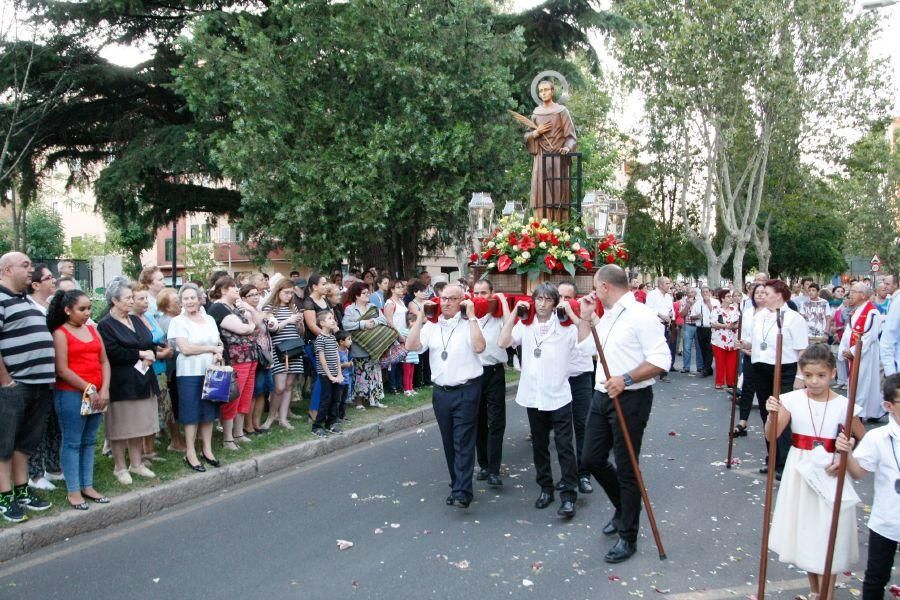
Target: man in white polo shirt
(660,300)
(636,353)
(454,344)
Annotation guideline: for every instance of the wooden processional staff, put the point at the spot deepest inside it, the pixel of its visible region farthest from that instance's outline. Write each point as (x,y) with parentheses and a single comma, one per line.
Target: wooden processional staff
(773,461)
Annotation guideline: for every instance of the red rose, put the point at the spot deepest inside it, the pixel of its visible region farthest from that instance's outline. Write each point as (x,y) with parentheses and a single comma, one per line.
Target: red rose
(503,262)
(588,265)
(535,225)
(621,253)
(555,241)
(610,259)
(551,262)
(604,245)
(512,239)
(473,257)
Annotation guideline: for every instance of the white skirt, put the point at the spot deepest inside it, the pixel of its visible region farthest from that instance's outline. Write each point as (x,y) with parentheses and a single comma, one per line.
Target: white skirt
(802,521)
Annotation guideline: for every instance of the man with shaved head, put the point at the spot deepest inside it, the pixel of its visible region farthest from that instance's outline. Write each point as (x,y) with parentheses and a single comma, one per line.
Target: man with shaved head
(27,370)
(865,323)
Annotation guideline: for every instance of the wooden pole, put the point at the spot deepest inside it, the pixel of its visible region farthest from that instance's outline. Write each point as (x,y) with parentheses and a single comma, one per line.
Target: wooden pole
(623,425)
(734,396)
(842,472)
(773,462)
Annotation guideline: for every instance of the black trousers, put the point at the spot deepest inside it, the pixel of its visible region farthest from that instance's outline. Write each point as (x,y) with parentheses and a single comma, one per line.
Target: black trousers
(456,412)
(763,381)
(878,566)
(671,334)
(330,400)
(745,401)
(559,421)
(491,419)
(582,387)
(704,340)
(603,434)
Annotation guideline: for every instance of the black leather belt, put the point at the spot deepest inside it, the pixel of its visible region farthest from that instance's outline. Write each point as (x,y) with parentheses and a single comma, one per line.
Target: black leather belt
(453,388)
(493,367)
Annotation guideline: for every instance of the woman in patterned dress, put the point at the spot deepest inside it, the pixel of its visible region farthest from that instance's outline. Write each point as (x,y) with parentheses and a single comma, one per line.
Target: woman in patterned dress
(284,373)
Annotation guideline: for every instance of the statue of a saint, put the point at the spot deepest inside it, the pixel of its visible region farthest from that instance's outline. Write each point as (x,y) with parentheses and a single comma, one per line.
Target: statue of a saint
(555,134)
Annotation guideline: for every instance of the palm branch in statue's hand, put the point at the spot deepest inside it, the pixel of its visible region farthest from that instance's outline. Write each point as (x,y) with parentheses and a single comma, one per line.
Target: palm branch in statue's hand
(523,120)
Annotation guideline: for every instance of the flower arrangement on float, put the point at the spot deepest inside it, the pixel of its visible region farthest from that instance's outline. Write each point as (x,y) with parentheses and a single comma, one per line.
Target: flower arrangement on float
(540,246)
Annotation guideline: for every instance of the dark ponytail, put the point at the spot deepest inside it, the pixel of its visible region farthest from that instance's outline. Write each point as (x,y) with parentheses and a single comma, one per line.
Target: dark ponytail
(56,313)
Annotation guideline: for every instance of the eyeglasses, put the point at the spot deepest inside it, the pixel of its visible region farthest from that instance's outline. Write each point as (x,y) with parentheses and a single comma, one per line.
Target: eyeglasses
(46,278)
(450,298)
(542,300)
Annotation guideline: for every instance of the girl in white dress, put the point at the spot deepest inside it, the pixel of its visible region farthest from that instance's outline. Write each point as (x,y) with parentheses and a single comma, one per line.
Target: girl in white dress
(803,508)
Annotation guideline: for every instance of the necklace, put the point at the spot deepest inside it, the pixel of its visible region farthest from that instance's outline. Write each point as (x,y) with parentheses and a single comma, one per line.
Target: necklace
(447,343)
(537,348)
(764,345)
(812,421)
(616,320)
(896,462)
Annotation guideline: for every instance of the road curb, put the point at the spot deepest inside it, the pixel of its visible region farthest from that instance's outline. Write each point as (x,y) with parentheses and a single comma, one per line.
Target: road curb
(39,533)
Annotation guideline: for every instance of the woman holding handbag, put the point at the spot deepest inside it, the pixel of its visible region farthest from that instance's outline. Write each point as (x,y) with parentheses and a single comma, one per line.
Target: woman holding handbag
(196,337)
(81,392)
(361,315)
(287,352)
(236,329)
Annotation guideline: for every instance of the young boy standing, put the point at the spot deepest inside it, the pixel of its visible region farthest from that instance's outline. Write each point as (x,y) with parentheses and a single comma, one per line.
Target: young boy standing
(879,453)
(329,373)
(344,341)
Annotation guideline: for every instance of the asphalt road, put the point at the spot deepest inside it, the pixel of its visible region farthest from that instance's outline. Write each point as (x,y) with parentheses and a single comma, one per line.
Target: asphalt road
(276,537)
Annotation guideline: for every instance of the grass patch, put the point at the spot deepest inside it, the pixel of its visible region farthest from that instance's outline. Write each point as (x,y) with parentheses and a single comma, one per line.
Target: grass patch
(174,468)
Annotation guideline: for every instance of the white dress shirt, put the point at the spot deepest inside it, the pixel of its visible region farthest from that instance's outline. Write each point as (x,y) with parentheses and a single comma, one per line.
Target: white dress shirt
(795,337)
(544,383)
(493,354)
(875,453)
(701,313)
(630,335)
(661,303)
(455,336)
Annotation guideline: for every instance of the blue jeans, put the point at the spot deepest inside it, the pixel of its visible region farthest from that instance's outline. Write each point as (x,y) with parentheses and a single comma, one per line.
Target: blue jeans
(316,387)
(79,435)
(690,344)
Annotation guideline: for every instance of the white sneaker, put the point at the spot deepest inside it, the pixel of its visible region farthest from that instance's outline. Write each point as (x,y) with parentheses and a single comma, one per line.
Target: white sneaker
(41,484)
(54,476)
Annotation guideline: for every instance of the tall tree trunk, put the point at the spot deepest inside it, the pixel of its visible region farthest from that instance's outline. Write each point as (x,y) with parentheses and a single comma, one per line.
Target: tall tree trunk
(737,263)
(762,245)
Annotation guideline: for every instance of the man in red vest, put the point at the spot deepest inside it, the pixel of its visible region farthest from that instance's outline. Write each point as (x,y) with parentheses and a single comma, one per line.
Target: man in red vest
(865,323)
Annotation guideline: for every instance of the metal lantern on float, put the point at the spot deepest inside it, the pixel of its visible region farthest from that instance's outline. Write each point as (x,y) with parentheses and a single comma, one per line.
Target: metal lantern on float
(601,215)
(481,215)
(513,209)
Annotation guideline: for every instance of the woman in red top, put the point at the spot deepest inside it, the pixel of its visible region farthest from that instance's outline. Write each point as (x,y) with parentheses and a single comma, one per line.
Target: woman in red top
(81,371)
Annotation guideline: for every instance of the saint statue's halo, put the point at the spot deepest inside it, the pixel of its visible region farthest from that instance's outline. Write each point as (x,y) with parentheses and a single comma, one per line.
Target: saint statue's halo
(561,98)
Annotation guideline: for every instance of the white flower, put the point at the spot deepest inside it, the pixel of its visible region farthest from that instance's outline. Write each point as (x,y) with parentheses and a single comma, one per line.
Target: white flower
(545,221)
(565,237)
(524,230)
(570,256)
(576,246)
(526,255)
(556,232)
(543,244)
(520,260)
(491,265)
(515,247)
(491,244)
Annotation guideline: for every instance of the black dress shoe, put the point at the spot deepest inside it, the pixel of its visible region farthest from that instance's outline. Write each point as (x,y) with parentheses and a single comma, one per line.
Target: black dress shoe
(461,502)
(611,527)
(777,475)
(622,551)
(482,475)
(197,468)
(566,509)
(544,500)
(584,486)
(211,461)
(763,470)
(449,501)
(495,481)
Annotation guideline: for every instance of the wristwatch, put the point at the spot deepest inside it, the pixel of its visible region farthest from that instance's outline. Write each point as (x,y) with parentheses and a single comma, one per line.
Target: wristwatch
(627,379)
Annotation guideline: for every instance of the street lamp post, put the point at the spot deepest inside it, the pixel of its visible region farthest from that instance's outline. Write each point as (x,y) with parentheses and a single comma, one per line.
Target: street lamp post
(481,216)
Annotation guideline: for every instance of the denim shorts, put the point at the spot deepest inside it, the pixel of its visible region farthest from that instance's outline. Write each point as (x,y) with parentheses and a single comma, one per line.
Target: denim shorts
(23,417)
(263,384)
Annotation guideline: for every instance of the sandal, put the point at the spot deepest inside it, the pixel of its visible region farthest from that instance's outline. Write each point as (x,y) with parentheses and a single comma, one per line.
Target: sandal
(230,445)
(97,500)
(740,430)
(242,439)
(82,506)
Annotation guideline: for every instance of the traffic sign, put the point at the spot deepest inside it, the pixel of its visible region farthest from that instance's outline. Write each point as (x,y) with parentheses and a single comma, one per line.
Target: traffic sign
(875,264)
(875,267)
(875,260)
